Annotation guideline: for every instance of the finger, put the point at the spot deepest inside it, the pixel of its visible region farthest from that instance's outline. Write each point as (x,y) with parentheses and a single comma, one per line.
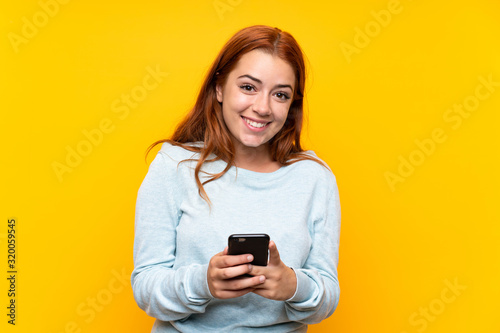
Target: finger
(243,283)
(259,270)
(232,260)
(216,259)
(234,271)
(225,294)
(274,255)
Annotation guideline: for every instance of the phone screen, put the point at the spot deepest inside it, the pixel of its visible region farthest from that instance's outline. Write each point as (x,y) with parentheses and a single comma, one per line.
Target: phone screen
(254,244)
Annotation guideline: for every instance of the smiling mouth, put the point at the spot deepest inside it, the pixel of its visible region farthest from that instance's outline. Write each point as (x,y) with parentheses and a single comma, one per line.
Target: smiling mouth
(255,123)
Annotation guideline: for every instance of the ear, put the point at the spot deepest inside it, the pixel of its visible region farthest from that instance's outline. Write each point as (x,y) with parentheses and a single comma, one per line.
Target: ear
(218,90)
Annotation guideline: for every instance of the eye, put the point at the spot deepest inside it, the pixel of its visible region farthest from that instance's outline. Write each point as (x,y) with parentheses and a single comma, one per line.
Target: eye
(282,96)
(247,87)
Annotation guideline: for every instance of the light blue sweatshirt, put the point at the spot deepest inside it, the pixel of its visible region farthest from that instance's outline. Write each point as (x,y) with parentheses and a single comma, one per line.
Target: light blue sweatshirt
(176,234)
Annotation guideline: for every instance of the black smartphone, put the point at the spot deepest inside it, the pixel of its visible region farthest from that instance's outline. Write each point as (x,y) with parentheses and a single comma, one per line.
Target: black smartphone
(254,244)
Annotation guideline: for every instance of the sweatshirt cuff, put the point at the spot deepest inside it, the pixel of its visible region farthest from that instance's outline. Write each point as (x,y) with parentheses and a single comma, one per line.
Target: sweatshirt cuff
(199,284)
(304,288)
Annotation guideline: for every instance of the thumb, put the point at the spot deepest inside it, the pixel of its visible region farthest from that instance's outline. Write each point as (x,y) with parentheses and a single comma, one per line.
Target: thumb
(274,255)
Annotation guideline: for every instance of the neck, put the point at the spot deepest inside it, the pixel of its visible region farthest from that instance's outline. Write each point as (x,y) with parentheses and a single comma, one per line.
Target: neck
(255,159)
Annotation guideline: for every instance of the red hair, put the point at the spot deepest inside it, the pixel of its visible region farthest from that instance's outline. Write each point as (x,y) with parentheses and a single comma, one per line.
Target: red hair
(205,121)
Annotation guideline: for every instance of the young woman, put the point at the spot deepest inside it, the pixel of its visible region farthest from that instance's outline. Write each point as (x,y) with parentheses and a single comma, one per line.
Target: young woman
(235,166)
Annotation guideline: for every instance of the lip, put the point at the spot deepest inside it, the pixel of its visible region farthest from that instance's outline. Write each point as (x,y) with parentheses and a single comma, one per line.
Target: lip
(255,129)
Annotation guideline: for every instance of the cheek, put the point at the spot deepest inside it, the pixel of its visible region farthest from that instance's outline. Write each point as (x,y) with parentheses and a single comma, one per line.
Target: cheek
(281,113)
(236,101)
(241,102)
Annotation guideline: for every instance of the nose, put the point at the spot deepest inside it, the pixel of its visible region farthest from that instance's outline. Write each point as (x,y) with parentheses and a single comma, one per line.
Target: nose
(261,105)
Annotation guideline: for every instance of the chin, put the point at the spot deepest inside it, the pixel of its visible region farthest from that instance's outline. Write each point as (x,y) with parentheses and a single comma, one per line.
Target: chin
(252,144)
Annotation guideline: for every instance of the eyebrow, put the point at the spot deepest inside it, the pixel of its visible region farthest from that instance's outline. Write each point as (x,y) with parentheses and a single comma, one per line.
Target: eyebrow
(260,82)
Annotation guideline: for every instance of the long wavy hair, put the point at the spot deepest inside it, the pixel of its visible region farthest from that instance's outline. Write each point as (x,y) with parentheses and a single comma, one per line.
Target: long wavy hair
(205,122)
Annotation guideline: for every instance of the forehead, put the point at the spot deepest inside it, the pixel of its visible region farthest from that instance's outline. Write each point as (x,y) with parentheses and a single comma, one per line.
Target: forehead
(266,67)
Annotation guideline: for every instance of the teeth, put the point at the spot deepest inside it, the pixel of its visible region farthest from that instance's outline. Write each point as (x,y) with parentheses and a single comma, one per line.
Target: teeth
(255,124)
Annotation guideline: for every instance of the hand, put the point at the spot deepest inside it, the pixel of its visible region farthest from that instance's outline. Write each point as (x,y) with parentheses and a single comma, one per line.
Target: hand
(223,275)
(281,281)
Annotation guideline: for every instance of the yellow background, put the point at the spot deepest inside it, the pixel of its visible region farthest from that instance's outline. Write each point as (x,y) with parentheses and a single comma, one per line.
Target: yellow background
(402,243)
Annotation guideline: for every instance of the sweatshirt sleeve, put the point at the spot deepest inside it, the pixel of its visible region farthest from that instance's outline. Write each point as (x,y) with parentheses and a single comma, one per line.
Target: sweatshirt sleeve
(318,290)
(160,290)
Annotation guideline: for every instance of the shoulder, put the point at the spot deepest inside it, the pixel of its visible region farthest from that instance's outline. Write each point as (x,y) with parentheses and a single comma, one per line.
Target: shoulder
(325,182)
(316,175)
(167,162)
(166,173)
(177,153)
(314,169)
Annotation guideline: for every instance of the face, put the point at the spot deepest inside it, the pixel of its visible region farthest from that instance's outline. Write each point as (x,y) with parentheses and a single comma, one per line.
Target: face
(256,98)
